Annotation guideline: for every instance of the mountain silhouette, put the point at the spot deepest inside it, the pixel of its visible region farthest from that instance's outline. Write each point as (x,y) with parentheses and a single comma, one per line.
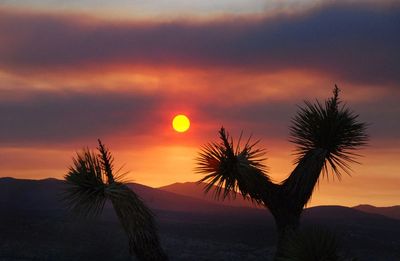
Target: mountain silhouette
(392,212)
(196,190)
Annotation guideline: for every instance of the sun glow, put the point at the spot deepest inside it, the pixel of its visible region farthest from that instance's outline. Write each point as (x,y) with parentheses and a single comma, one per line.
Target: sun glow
(181,123)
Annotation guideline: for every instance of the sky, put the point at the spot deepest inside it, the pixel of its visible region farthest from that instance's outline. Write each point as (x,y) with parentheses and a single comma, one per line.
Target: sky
(75,71)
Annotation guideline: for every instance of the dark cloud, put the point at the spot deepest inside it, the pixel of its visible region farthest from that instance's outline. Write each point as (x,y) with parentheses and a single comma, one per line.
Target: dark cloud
(262,119)
(52,117)
(271,119)
(59,118)
(350,42)
(382,115)
(62,117)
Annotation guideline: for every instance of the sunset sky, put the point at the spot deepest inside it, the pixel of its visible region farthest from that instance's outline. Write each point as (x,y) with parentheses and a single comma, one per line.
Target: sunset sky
(75,71)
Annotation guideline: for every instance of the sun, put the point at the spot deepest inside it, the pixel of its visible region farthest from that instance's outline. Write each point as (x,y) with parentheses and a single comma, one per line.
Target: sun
(181,123)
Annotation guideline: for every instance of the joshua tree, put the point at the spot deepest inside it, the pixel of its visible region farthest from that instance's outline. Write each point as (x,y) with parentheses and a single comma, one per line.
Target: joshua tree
(325,136)
(91,182)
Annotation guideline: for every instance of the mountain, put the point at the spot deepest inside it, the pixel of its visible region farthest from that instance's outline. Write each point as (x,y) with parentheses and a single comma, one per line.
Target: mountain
(47,194)
(17,194)
(392,212)
(161,200)
(196,190)
(35,225)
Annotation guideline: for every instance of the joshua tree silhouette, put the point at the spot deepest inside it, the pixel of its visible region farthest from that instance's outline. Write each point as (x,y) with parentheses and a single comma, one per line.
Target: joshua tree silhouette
(326,136)
(91,182)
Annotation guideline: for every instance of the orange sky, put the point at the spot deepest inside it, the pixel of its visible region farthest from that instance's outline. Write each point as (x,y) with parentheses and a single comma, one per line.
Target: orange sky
(66,80)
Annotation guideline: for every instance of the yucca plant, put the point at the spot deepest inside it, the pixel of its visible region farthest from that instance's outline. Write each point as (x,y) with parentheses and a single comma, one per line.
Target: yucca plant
(91,181)
(325,135)
(311,244)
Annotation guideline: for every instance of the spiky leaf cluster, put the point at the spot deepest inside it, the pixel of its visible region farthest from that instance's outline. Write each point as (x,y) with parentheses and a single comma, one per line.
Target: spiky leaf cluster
(91,182)
(232,169)
(87,182)
(330,126)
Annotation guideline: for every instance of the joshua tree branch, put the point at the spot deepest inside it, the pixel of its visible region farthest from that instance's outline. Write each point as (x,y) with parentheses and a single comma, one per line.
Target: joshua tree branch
(299,186)
(234,169)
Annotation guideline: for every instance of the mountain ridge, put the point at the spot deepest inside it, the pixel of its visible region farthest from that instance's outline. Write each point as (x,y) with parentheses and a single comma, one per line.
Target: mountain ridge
(196,190)
(173,197)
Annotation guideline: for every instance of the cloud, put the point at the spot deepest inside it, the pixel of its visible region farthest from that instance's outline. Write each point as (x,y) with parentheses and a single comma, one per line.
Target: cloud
(51,117)
(48,117)
(271,119)
(348,42)
(44,118)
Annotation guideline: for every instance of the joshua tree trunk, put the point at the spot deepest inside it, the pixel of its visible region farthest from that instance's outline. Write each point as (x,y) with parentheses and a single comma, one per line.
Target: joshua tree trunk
(139,226)
(296,190)
(286,202)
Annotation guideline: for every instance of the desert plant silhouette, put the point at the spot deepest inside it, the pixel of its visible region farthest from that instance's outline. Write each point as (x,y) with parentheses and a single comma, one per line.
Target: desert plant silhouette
(312,244)
(326,136)
(91,182)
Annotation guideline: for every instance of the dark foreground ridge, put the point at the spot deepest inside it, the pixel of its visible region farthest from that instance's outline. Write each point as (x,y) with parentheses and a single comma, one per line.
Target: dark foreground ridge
(34,225)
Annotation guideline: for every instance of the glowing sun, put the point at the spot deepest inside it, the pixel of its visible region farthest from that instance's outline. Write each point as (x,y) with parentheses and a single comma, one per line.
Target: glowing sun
(181,123)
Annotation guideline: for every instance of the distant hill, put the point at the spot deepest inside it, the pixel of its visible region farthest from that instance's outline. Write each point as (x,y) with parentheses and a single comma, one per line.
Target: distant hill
(48,193)
(178,197)
(392,212)
(43,194)
(169,201)
(196,190)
